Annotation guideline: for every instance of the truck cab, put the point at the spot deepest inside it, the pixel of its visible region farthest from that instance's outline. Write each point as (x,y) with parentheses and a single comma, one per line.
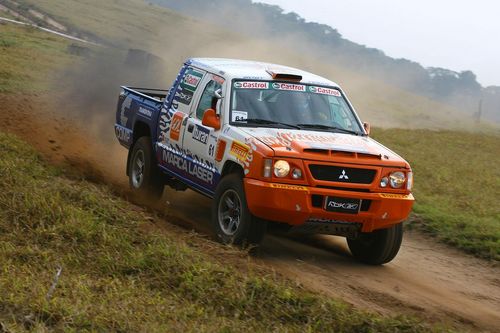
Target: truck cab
(268,143)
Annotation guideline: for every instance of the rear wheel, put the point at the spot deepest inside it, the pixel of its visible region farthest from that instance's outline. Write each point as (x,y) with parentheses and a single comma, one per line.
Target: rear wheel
(144,176)
(232,221)
(378,247)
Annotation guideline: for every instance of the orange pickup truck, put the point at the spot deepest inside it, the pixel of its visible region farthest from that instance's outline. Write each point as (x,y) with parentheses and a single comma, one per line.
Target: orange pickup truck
(267,143)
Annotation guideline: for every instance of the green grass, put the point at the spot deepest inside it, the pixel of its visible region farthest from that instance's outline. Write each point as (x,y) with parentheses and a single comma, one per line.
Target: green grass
(457,184)
(26,56)
(122,272)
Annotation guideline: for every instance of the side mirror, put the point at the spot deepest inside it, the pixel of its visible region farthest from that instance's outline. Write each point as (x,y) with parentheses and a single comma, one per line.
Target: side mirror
(367,128)
(210,119)
(218,93)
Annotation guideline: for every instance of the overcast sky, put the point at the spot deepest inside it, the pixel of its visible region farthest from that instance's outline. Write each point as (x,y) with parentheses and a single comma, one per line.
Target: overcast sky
(454,34)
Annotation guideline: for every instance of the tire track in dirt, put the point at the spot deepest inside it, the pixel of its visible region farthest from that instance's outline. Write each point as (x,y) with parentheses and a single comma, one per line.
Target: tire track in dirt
(427,279)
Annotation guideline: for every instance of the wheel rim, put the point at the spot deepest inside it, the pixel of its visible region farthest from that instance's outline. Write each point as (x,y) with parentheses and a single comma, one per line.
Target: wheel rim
(138,169)
(229,212)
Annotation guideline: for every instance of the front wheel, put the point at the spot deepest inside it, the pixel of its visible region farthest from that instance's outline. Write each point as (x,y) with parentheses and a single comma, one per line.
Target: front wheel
(144,176)
(377,247)
(232,221)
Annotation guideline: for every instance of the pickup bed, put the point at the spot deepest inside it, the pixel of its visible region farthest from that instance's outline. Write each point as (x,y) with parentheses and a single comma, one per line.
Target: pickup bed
(267,143)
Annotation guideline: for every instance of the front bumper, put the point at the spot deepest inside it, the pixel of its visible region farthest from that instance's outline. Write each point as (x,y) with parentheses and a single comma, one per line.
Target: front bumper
(295,205)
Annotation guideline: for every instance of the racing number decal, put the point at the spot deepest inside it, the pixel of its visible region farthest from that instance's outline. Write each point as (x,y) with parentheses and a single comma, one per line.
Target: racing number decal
(175,127)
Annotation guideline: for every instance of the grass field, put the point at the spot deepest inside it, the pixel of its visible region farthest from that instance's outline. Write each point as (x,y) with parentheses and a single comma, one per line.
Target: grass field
(122,272)
(27,55)
(457,183)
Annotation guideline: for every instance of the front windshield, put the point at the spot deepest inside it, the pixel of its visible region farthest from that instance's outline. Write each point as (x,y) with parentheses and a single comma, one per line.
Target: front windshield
(292,105)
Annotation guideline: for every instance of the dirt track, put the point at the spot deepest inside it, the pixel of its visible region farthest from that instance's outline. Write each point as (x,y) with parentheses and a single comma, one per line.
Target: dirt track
(427,279)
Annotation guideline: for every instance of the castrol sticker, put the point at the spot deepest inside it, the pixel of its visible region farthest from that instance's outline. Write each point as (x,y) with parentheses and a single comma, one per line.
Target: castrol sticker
(324,91)
(191,80)
(289,86)
(251,85)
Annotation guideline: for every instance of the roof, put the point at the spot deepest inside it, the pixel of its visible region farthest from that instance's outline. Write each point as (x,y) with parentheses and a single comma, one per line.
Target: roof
(254,70)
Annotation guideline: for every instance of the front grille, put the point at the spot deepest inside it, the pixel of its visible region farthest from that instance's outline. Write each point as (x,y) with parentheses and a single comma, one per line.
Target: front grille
(342,175)
(364,190)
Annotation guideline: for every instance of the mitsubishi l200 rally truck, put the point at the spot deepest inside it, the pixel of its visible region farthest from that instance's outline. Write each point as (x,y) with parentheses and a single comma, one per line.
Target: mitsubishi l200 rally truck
(267,143)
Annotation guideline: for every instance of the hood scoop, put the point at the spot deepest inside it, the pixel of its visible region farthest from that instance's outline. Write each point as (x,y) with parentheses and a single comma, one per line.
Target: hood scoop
(335,153)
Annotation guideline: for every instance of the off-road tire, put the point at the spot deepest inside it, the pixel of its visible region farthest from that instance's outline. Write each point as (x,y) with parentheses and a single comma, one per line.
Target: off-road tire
(145,181)
(378,247)
(249,230)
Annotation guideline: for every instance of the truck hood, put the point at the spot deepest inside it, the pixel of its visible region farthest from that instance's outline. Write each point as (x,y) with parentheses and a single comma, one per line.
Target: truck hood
(319,145)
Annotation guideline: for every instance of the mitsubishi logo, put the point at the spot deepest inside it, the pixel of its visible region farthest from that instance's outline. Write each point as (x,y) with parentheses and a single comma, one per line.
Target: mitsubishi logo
(343,175)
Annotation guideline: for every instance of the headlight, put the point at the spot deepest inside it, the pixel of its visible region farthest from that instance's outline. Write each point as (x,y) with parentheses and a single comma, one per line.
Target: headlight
(281,168)
(397,179)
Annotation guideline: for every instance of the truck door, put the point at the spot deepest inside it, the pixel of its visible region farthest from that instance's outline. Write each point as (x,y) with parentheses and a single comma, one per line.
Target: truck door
(172,157)
(200,141)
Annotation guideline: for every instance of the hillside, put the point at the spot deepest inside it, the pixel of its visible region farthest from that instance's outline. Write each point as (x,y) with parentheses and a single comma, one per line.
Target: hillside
(259,20)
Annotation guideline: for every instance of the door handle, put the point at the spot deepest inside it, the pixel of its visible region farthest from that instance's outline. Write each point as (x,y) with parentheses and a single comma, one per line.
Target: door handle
(190,128)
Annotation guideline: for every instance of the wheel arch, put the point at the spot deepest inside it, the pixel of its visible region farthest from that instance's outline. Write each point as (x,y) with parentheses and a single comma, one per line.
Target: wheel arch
(140,129)
(232,167)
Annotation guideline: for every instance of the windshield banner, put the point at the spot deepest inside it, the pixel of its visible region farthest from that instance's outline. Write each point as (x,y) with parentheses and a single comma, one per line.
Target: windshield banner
(286,87)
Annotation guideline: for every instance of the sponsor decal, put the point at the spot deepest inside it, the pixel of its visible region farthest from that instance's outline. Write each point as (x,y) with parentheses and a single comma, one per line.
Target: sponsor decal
(285,139)
(123,134)
(239,116)
(145,112)
(127,103)
(254,78)
(394,196)
(175,126)
(325,91)
(289,187)
(289,86)
(239,150)
(188,167)
(191,80)
(184,96)
(343,205)
(201,134)
(251,85)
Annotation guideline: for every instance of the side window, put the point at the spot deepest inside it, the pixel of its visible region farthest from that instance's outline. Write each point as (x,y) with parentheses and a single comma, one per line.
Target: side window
(207,100)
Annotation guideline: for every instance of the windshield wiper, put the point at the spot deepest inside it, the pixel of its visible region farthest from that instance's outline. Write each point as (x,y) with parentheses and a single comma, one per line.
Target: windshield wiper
(326,127)
(265,122)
